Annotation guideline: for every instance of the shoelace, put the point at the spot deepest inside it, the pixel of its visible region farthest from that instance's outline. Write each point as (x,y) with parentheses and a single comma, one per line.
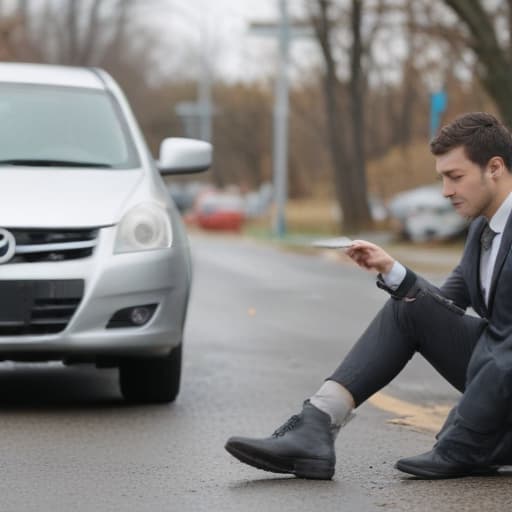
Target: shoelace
(289,425)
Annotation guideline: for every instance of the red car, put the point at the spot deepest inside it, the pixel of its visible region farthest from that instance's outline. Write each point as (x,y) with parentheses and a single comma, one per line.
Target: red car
(223,212)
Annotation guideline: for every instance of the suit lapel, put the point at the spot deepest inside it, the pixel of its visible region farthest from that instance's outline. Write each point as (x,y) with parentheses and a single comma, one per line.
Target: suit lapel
(506,241)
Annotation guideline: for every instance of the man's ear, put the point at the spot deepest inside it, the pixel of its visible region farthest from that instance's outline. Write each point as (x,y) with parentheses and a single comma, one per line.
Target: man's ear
(496,166)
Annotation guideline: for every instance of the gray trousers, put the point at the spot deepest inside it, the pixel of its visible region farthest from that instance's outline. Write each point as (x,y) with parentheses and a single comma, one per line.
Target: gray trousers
(444,336)
(479,429)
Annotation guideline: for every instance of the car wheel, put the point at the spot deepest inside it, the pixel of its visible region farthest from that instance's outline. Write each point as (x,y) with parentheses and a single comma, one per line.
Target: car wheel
(151,380)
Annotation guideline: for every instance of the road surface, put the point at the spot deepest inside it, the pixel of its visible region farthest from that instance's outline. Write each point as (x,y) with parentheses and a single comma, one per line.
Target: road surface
(264,329)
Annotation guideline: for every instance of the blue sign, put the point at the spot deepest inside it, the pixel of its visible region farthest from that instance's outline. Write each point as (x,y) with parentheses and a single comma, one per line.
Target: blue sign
(438,102)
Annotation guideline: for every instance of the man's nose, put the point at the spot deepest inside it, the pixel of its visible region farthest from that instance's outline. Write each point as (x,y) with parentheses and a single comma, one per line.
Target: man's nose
(447,189)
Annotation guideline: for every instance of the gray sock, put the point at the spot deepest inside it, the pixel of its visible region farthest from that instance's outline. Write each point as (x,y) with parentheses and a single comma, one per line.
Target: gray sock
(333,399)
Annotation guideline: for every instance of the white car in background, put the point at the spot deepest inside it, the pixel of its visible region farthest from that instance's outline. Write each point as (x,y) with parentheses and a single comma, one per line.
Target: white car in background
(94,259)
(425,214)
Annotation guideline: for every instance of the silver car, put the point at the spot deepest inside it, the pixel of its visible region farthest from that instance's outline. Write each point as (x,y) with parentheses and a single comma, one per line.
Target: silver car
(94,259)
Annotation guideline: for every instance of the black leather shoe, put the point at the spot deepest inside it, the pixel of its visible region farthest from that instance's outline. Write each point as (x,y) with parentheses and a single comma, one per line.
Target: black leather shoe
(433,465)
(303,446)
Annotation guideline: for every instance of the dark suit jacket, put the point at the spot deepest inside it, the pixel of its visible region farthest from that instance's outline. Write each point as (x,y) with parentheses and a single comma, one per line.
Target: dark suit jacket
(486,404)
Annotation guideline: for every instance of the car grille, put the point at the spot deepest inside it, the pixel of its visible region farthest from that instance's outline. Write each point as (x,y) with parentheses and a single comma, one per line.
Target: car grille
(38,307)
(38,245)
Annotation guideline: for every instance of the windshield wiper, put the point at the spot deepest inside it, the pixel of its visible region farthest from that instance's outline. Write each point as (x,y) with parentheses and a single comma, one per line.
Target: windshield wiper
(35,162)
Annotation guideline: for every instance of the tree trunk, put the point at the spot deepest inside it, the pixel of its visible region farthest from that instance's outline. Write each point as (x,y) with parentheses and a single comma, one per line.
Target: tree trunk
(71,31)
(404,127)
(349,170)
(92,32)
(361,214)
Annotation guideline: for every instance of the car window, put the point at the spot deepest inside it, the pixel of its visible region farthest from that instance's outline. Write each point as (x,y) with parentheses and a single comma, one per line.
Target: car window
(67,124)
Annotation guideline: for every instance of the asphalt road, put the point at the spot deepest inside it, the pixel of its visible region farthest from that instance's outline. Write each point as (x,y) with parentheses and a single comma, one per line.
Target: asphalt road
(264,329)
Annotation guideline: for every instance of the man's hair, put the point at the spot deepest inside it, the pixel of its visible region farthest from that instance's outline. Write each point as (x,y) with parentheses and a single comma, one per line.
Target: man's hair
(480,134)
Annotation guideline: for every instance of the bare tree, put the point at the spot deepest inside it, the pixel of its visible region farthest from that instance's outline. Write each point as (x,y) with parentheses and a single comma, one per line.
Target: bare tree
(493,53)
(349,164)
(7,27)
(357,83)
(86,32)
(243,133)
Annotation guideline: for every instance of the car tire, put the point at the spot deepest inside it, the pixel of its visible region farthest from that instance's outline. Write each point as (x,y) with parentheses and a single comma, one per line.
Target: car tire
(151,380)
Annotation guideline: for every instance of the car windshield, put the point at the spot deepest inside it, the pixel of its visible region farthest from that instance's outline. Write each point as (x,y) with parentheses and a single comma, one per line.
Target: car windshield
(43,125)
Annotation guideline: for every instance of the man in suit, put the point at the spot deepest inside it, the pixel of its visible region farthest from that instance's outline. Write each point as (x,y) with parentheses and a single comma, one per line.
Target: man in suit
(473,157)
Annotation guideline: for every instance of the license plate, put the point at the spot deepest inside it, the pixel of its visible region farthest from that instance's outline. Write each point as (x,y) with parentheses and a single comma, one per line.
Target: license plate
(16,298)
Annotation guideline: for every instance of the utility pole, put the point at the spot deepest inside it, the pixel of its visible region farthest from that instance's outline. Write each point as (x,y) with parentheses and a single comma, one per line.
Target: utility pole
(204,92)
(284,30)
(197,115)
(281,109)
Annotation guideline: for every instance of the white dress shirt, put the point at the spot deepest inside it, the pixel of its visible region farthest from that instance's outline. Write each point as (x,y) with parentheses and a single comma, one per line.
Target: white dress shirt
(488,258)
(396,275)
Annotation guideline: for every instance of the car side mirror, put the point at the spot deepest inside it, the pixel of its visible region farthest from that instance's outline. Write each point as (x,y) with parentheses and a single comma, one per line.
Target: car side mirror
(184,156)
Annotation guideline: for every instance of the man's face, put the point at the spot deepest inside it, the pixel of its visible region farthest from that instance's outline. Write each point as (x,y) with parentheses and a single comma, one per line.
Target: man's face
(469,187)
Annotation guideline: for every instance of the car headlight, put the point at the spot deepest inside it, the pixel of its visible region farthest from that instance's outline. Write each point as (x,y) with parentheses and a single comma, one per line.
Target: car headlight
(145,227)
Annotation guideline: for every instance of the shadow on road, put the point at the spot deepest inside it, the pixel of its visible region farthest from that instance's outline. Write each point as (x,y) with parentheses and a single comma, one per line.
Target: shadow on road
(266,484)
(54,386)
(504,472)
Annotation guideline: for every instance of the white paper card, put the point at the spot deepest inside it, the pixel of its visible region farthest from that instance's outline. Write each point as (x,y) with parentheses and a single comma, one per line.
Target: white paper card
(341,242)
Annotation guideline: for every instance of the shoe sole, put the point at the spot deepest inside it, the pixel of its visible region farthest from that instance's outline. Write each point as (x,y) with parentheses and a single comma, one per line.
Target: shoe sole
(311,469)
(427,474)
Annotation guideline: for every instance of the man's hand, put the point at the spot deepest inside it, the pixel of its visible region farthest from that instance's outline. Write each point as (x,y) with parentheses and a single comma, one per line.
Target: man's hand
(370,256)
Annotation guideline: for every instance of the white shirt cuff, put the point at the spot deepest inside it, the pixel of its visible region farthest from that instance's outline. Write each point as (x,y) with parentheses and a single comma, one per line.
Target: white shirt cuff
(393,279)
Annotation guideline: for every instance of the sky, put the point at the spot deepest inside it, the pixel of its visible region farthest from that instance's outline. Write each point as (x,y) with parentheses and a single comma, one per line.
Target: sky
(221,28)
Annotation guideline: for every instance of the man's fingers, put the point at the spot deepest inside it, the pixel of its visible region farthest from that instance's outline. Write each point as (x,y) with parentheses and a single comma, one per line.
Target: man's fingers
(369,256)
(366,255)
(357,250)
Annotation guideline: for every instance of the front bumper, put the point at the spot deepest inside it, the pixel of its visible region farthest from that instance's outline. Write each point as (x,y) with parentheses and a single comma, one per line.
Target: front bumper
(111,282)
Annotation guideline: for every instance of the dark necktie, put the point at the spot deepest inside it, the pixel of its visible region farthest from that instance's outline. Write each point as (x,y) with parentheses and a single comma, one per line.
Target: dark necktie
(487,237)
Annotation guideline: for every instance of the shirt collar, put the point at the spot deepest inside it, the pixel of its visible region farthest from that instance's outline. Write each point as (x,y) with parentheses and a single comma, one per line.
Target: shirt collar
(499,219)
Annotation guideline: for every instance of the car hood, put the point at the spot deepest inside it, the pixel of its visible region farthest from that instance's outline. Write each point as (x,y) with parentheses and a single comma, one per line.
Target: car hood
(42,198)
